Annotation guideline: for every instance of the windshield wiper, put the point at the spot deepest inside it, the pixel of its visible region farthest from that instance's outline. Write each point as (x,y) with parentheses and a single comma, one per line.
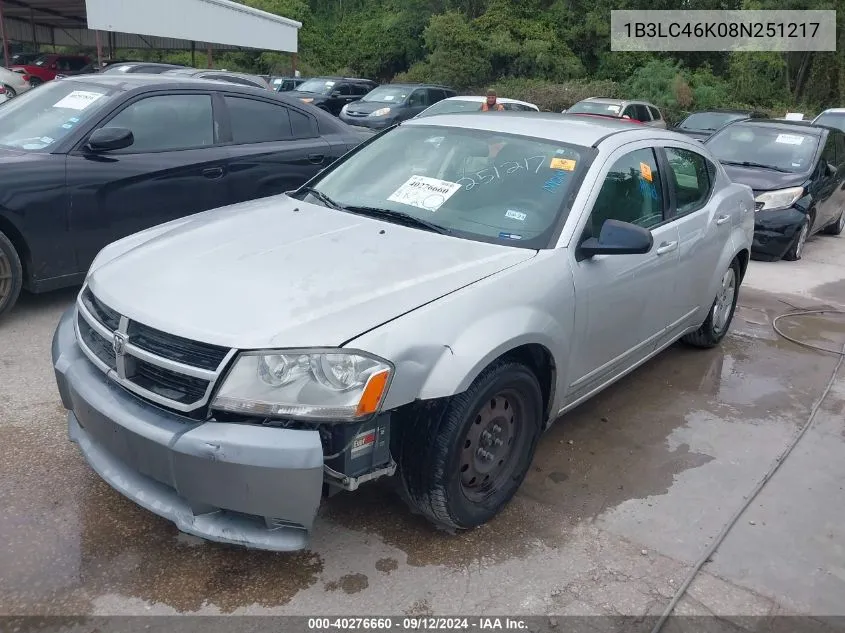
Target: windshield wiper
(747,163)
(400,218)
(323,198)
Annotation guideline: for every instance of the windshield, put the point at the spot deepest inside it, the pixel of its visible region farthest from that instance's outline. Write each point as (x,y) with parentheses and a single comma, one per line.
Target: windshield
(450,106)
(789,150)
(317,86)
(475,184)
(387,94)
(709,121)
(832,119)
(38,119)
(595,107)
(41,61)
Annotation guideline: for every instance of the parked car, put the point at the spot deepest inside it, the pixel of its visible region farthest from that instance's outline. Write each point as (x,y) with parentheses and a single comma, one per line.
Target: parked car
(389,104)
(242,79)
(149,68)
(620,108)
(797,172)
(90,159)
(701,125)
(286,84)
(832,117)
(454,105)
(332,93)
(487,304)
(46,67)
(13,83)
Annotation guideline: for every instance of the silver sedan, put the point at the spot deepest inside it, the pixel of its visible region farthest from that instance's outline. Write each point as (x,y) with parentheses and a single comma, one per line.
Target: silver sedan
(424,308)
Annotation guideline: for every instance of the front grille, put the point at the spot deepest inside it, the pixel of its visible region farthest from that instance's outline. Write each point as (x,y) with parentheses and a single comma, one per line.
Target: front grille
(169,370)
(101,348)
(176,348)
(168,384)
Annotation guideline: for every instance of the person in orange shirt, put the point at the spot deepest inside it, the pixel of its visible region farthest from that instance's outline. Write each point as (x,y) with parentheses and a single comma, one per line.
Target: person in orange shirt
(491,104)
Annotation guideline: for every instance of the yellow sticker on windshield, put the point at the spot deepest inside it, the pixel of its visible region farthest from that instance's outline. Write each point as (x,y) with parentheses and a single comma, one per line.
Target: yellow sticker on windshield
(566,164)
(645,170)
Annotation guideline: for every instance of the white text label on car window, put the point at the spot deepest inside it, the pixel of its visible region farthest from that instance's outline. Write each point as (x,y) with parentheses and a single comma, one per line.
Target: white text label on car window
(78,100)
(789,139)
(424,192)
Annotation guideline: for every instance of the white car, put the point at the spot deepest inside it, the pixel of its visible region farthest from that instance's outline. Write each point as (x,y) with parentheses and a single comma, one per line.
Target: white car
(13,83)
(833,117)
(473,103)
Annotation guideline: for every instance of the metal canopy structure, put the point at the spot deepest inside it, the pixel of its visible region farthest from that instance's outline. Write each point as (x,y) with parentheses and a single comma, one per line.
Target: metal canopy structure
(154,24)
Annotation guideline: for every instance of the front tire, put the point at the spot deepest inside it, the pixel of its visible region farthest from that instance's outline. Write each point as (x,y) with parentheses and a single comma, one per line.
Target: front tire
(796,250)
(34,82)
(11,275)
(10,92)
(837,227)
(461,468)
(721,314)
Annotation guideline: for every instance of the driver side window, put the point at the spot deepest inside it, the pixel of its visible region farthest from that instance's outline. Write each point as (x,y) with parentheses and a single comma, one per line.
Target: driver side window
(631,192)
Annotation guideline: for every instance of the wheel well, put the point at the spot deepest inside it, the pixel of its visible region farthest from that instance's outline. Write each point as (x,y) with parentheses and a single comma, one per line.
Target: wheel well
(539,359)
(17,240)
(742,257)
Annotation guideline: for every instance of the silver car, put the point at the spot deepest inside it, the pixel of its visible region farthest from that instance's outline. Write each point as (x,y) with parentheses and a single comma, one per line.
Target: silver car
(641,111)
(420,309)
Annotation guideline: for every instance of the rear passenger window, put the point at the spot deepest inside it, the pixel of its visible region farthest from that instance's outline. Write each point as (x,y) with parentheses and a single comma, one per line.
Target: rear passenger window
(655,113)
(256,121)
(631,193)
(690,176)
(641,113)
(302,125)
(435,95)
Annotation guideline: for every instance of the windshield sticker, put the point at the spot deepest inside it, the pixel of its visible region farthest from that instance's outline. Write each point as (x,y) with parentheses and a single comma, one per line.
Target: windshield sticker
(554,183)
(424,193)
(67,126)
(789,139)
(648,189)
(509,236)
(566,164)
(46,140)
(73,119)
(515,215)
(388,97)
(329,84)
(78,100)
(645,170)
(614,108)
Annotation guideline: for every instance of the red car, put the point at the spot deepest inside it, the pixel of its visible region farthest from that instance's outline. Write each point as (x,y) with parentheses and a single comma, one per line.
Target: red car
(46,67)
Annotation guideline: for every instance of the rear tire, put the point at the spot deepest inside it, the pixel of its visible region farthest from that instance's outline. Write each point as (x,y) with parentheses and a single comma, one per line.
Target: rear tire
(459,469)
(34,82)
(837,227)
(11,275)
(10,92)
(796,250)
(721,314)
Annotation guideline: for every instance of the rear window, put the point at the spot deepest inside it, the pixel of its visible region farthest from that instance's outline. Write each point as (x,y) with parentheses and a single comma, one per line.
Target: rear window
(596,107)
(832,119)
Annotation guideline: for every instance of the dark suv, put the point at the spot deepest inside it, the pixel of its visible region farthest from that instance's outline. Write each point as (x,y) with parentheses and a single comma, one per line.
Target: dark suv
(332,93)
(392,103)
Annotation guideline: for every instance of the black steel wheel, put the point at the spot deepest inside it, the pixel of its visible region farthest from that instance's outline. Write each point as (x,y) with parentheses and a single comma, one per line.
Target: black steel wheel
(462,467)
(11,275)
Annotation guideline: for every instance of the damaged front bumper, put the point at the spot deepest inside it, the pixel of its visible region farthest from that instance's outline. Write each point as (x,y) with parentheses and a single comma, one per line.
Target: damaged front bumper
(231,483)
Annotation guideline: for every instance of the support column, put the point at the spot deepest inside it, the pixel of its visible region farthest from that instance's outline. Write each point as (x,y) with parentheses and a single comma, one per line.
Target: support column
(210,58)
(293,64)
(99,50)
(193,54)
(34,31)
(3,35)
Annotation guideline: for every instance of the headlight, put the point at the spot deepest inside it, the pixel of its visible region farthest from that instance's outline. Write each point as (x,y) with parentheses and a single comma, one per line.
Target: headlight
(306,99)
(780,199)
(343,109)
(380,112)
(305,384)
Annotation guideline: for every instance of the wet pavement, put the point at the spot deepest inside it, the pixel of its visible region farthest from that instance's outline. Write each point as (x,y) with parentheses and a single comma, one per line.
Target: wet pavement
(624,495)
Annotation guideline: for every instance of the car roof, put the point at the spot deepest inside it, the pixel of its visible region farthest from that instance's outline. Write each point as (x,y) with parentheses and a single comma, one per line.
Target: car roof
(481,98)
(619,102)
(564,128)
(782,124)
(413,85)
(130,81)
(833,111)
(331,78)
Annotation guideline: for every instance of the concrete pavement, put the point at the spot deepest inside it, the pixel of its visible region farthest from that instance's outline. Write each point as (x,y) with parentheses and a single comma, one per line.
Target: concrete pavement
(625,493)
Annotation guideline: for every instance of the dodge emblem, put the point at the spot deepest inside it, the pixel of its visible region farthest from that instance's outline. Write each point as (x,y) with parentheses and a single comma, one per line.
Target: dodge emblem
(119,343)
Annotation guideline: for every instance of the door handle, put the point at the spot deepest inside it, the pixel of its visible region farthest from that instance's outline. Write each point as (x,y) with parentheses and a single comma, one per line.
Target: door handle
(213,172)
(722,219)
(316,159)
(666,247)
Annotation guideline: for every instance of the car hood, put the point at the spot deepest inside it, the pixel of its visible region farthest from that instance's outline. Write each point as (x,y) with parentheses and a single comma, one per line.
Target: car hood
(282,273)
(763,179)
(366,107)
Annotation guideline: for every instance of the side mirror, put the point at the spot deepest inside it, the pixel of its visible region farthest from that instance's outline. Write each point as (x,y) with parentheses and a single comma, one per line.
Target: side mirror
(109,138)
(618,238)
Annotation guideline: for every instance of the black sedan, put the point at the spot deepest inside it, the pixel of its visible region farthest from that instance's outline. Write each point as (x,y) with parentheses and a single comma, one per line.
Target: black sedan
(797,172)
(90,159)
(703,124)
